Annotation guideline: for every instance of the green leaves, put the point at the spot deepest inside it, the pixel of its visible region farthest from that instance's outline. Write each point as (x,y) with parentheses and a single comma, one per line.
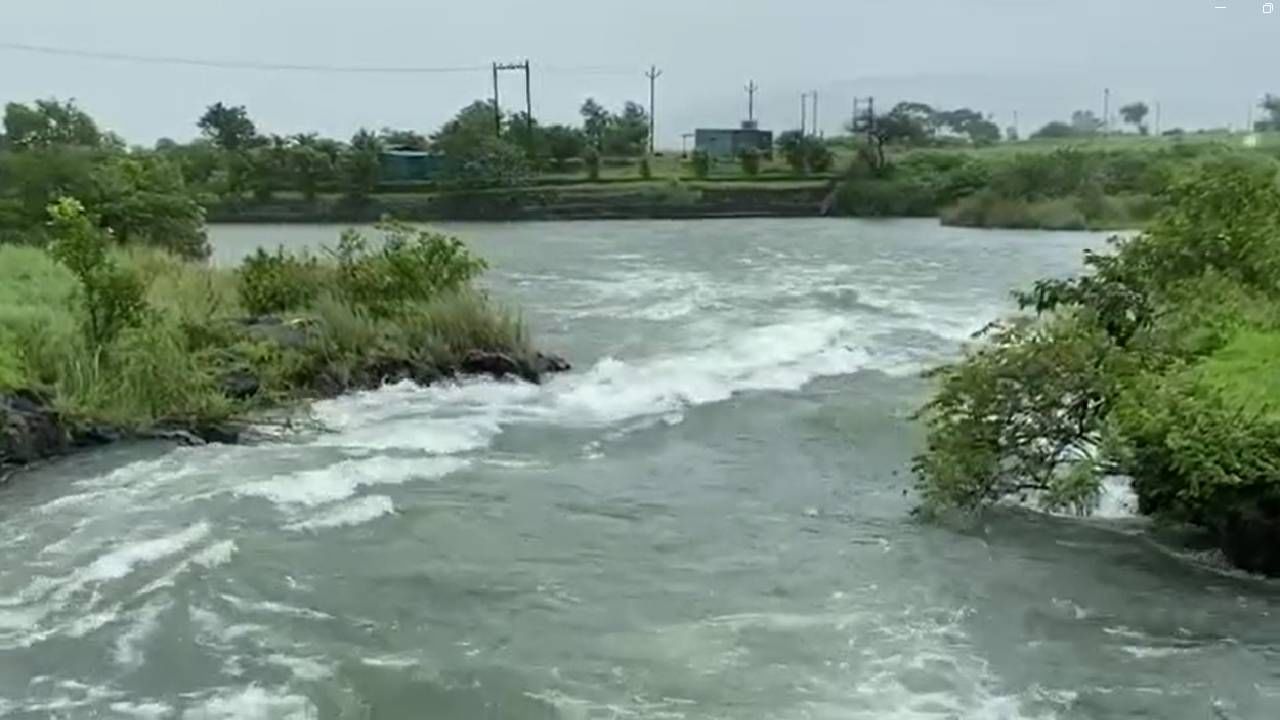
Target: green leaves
(113,298)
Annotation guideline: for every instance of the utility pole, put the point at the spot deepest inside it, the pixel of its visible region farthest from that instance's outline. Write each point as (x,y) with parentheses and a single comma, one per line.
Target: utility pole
(1017,131)
(853,119)
(528,102)
(528,96)
(653,75)
(1106,110)
(1157,118)
(804,110)
(815,113)
(752,87)
(497,111)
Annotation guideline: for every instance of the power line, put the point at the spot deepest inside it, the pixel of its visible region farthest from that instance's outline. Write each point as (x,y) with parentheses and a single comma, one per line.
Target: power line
(233,64)
(293,67)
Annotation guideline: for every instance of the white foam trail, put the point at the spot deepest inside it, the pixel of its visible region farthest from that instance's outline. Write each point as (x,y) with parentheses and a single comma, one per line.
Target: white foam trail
(341,481)
(143,711)
(128,650)
(120,563)
(356,512)
(252,703)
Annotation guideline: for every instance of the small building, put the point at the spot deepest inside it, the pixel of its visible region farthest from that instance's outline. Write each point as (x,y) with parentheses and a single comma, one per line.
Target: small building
(733,142)
(409,166)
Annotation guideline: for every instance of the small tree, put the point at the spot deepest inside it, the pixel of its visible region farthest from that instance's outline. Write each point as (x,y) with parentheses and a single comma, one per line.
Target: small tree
(360,165)
(792,146)
(750,159)
(229,127)
(563,144)
(112,298)
(1134,114)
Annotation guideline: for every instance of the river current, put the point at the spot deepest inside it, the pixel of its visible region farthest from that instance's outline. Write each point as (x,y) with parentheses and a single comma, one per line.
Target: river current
(708,518)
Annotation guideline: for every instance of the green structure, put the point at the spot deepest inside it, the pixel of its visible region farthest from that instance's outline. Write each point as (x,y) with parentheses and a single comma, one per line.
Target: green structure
(409,166)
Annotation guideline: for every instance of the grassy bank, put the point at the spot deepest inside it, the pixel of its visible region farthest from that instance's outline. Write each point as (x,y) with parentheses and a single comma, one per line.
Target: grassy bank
(199,347)
(629,199)
(1106,183)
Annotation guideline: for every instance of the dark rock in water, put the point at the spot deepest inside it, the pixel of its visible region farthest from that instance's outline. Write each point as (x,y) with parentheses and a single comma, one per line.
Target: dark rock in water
(222,434)
(239,385)
(499,365)
(182,437)
(1250,538)
(291,335)
(544,364)
(29,429)
(96,435)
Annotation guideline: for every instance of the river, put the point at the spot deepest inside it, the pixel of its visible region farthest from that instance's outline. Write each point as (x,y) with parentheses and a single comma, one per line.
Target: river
(707,518)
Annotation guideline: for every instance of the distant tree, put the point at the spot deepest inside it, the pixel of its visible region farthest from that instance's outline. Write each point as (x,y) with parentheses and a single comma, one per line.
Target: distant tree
(360,165)
(791,145)
(144,200)
(229,127)
(473,155)
(1134,114)
(310,168)
(1084,122)
(564,143)
(525,133)
(268,167)
(49,123)
(1011,134)
(406,139)
(1055,129)
(1271,105)
(595,122)
(627,134)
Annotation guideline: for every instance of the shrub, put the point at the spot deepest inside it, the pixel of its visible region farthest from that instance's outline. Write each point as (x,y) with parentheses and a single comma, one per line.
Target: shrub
(646,171)
(750,159)
(276,282)
(896,197)
(411,265)
(701,164)
(112,298)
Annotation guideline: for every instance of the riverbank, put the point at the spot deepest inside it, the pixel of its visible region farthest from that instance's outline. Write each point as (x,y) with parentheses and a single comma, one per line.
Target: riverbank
(201,352)
(641,200)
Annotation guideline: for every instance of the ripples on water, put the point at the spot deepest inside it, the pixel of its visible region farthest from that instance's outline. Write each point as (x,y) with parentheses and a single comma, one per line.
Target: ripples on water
(705,520)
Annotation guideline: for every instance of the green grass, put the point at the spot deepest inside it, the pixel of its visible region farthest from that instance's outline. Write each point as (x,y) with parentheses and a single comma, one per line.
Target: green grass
(167,369)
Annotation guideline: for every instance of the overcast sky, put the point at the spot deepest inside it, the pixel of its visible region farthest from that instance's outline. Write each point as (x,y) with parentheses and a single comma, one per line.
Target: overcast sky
(1042,58)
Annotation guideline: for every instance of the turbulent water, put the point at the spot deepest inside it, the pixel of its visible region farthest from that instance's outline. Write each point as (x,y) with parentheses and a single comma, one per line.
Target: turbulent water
(708,518)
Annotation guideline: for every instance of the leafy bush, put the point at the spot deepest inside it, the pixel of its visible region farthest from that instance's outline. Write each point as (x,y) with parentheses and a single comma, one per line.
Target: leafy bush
(750,159)
(1157,362)
(276,282)
(112,298)
(892,197)
(646,171)
(700,160)
(411,265)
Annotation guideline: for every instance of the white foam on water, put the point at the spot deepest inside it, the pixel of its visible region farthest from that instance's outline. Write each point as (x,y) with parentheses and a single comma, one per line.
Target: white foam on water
(119,563)
(343,480)
(251,703)
(143,710)
(219,553)
(356,512)
(128,646)
(1116,499)
(309,669)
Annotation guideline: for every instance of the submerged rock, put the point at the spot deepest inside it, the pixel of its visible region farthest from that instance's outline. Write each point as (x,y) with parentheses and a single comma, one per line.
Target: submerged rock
(501,365)
(239,385)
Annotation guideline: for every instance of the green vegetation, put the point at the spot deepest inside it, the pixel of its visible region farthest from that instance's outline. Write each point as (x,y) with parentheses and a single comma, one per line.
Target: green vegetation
(138,338)
(1157,363)
(1059,185)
